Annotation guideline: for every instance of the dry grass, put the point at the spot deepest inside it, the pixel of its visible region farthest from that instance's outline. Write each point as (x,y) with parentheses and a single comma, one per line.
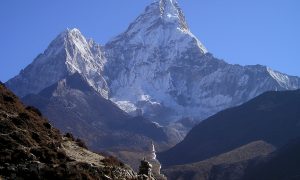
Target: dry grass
(80,154)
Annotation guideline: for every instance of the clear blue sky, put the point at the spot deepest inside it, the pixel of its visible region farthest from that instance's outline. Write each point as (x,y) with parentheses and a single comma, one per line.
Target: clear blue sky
(239,31)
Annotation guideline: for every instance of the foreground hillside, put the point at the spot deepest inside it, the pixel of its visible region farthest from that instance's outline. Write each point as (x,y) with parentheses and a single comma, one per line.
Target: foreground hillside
(273,117)
(30,148)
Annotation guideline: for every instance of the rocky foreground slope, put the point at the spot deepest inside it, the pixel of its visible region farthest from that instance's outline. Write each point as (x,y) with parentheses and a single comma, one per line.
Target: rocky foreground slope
(30,148)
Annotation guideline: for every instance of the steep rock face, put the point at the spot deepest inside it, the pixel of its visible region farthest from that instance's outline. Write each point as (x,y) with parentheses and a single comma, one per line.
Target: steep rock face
(69,53)
(32,149)
(272,117)
(159,68)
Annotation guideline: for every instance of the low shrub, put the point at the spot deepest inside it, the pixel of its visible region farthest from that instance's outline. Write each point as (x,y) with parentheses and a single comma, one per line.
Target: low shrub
(112,161)
(34,109)
(24,116)
(8,98)
(35,136)
(81,143)
(70,136)
(47,125)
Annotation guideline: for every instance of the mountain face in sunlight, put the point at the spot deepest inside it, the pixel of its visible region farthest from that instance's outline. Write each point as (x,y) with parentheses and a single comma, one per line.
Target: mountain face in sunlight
(156,68)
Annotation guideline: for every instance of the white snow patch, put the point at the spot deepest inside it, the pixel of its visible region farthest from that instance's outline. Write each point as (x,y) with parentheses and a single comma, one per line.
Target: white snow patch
(282,79)
(125,106)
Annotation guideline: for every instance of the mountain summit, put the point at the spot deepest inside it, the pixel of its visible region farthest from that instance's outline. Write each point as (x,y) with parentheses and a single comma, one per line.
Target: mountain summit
(68,53)
(170,11)
(161,25)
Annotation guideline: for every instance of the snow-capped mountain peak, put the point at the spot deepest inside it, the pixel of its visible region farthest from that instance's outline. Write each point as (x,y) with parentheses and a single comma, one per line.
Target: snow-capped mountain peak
(161,25)
(70,52)
(157,67)
(171,12)
(69,36)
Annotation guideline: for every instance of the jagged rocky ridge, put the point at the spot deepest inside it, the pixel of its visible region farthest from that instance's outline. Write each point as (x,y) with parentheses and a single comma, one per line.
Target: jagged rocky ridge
(32,149)
(156,68)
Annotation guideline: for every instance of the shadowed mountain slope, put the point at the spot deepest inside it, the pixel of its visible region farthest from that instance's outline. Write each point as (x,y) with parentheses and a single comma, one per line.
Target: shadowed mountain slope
(205,170)
(273,117)
(74,106)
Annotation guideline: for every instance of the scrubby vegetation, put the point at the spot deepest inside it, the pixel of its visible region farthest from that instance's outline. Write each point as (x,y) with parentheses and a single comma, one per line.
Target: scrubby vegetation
(30,148)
